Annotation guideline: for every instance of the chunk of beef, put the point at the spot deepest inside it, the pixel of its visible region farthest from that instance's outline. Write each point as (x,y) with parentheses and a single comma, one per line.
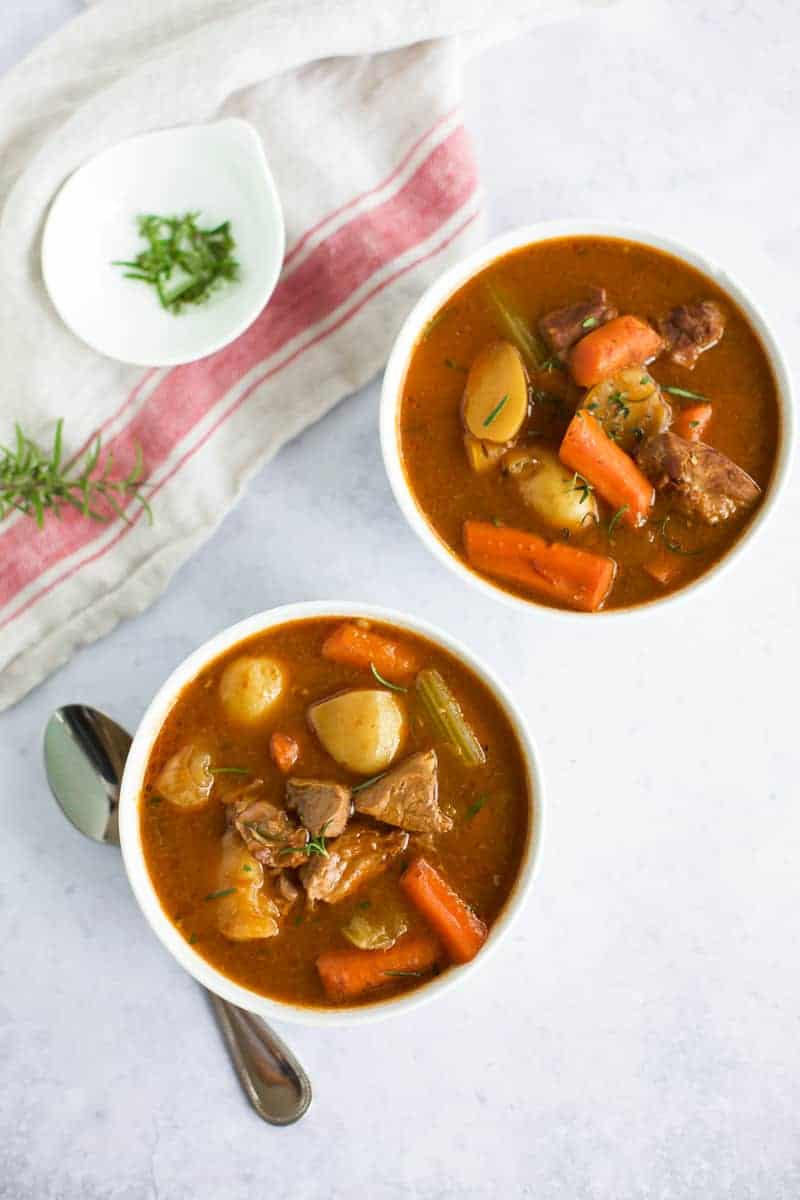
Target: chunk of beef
(704,482)
(358,855)
(563,327)
(286,890)
(691,329)
(323,807)
(269,833)
(407,796)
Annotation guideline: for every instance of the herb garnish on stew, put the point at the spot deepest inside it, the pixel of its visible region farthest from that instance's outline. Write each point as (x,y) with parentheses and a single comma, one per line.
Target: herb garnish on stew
(394,687)
(687,395)
(495,413)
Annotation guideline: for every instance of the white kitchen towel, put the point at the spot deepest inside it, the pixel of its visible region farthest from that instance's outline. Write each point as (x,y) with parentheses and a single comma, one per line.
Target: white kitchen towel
(357,103)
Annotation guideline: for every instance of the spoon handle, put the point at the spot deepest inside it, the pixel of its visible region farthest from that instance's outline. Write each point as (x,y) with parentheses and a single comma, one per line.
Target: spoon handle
(272,1078)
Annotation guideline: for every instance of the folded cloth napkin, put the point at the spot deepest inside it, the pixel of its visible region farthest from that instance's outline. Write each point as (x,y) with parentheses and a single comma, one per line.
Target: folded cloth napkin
(357,105)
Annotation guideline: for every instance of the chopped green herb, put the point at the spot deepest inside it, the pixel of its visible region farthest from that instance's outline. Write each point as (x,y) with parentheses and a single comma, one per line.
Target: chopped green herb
(246,867)
(299,919)
(579,484)
(313,845)
(552,363)
(154,799)
(366,782)
(401,974)
(677,391)
(394,687)
(498,408)
(183,262)
(693,424)
(589,323)
(594,405)
(616,399)
(645,380)
(34,482)
(475,808)
(192,938)
(617,517)
(219,895)
(230,771)
(498,524)
(674,547)
(364,904)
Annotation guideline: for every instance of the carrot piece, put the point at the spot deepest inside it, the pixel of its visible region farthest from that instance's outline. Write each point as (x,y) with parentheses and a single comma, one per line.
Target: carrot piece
(355,647)
(552,570)
(348,974)
(692,422)
(587,449)
(623,342)
(284,751)
(461,931)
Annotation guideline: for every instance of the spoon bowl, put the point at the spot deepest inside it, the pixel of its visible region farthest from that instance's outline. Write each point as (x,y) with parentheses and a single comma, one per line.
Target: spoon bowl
(84,757)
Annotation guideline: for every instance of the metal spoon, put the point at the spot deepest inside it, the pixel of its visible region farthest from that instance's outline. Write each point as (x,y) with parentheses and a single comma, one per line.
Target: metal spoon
(84,755)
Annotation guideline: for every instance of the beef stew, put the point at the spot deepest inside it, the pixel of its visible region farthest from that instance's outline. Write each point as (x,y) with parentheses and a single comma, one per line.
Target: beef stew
(589,423)
(334,811)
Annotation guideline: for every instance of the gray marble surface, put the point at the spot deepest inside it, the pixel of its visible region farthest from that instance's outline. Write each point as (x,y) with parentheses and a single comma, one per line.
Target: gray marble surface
(637,1036)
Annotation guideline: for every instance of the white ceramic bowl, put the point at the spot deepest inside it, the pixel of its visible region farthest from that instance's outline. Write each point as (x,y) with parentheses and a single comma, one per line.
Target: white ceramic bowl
(130,834)
(453,279)
(217,169)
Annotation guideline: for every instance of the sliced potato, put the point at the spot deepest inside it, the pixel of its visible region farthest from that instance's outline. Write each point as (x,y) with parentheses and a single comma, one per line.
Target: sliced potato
(482,456)
(630,405)
(249,687)
(246,911)
(186,780)
(362,729)
(559,496)
(495,401)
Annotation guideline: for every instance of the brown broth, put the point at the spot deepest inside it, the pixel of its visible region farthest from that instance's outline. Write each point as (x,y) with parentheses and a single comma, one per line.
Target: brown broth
(735,376)
(480,856)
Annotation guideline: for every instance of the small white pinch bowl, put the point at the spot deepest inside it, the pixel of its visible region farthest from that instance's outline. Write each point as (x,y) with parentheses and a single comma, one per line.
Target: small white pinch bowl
(218,170)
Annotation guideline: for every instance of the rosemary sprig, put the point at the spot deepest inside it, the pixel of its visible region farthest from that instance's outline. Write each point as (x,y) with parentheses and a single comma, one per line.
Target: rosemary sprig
(684,393)
(617,517)
(366,782)
(498,408)
(394,687)
(673,546)
(579,483)
(183,262)
(34,481)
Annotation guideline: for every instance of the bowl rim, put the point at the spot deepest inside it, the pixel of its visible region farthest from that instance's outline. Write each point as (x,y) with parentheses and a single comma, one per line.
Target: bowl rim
(459,274)
(145,892)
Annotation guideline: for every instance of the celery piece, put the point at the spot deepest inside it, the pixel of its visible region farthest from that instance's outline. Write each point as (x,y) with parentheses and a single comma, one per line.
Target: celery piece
(446,717)
(517,330)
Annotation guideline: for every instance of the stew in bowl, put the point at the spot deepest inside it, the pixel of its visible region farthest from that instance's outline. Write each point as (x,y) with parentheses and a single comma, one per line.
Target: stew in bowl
(330,812)
(588,422)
